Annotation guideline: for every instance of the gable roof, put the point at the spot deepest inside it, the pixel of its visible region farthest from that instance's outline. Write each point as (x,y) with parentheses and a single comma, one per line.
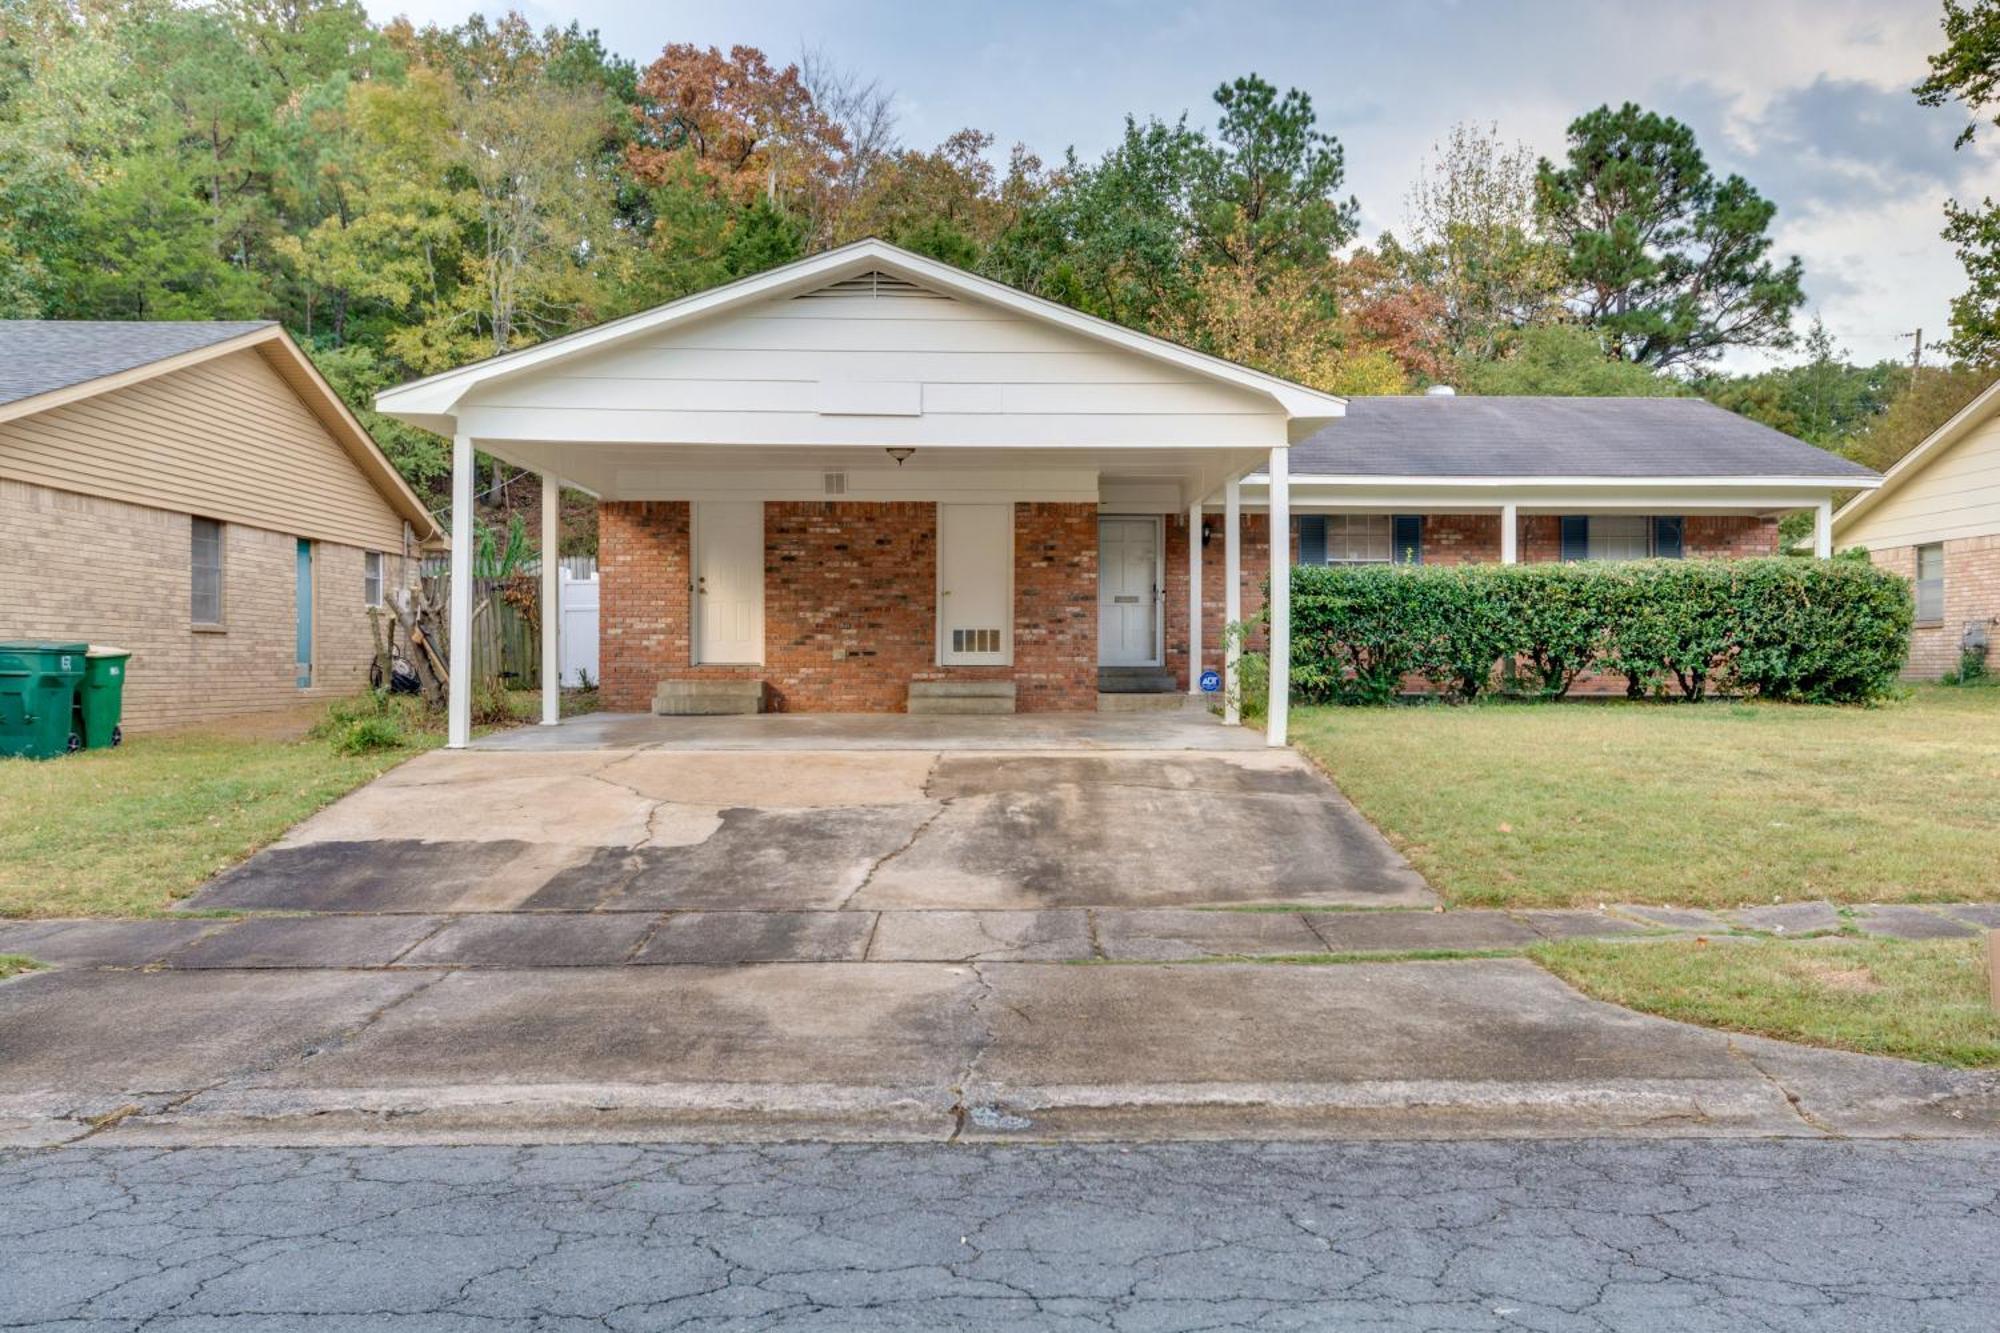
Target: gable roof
(47,363)
(432,402)
(1467,436)
(1934,446)
(38,356)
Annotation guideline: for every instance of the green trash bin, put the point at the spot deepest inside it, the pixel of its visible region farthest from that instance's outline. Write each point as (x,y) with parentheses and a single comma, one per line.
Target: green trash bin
(38,688)
(103,696)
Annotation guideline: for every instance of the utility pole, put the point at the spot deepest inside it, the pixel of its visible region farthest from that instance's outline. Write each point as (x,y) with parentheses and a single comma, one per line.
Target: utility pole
(1917,352)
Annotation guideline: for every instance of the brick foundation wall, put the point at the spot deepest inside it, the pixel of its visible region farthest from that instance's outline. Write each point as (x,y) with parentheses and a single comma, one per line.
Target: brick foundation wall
(849,605)
(1971,592)
(104,571)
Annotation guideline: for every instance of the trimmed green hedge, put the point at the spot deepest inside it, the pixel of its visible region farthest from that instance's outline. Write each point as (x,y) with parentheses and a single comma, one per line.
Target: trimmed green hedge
(1818,631)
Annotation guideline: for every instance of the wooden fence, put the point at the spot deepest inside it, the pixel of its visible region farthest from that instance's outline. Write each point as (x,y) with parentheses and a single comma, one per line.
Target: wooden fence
(505,642)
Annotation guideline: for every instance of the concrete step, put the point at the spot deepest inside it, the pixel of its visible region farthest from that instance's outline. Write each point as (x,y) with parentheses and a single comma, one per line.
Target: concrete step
(961,698)
(707,698)
(1109,701)
(1135,680)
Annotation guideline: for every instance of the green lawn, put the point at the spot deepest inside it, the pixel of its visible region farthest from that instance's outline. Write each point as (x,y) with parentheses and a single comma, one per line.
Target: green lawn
(13,964)
(1919,999)
(126,832)
(1516,804)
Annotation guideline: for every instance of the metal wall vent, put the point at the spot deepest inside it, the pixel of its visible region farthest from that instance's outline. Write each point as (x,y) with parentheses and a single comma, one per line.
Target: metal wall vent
(975,640)
(873,284)
(836,483)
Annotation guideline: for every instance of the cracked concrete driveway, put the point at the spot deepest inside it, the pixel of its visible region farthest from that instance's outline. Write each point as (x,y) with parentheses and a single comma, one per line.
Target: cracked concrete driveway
(830,935)
(943,827)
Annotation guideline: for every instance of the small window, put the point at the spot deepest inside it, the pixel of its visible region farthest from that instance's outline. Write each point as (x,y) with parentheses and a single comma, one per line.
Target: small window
(371,578)
(205,570)
(1930,583)
(1360,539)
(1620,537)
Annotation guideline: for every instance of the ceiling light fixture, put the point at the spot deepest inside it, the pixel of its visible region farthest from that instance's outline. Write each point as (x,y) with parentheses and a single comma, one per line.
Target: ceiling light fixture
(900,454)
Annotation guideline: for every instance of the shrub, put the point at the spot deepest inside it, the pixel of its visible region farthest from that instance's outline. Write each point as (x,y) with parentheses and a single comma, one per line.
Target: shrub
(1356,632)
(1807,630)
(1971,668)
(1820,631)
(364,735)
(1558,613)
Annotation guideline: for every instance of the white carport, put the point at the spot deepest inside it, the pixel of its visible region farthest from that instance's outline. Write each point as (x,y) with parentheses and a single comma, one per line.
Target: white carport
(869,373)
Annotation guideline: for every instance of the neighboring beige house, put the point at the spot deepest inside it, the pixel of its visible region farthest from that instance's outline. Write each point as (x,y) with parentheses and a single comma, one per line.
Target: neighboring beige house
(196,493)
(1935,519)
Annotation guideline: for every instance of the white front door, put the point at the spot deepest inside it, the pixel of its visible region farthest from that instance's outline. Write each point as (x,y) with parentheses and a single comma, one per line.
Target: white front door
(975,584)
(729,582)
(1128,592)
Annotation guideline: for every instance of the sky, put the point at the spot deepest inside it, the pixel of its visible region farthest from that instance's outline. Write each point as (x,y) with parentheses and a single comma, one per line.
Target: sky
(1808,99)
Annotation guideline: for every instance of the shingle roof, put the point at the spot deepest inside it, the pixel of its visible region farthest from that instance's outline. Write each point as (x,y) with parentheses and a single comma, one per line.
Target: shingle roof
(1467,436)
(40,355)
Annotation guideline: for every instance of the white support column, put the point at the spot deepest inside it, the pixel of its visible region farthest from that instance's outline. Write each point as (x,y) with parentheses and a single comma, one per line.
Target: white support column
(551,599)
(1510,535)
(1277,712)
(1823,529)
(458,707)
(1232,596)
(1194,598)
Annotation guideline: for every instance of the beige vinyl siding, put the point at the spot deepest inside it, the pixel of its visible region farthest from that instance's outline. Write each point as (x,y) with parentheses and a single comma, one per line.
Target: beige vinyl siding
(225,438)
(1954,495)
(971,373)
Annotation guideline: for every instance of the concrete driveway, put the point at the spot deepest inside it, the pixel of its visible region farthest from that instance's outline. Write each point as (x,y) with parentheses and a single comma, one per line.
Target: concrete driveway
(811,814)
(807,927)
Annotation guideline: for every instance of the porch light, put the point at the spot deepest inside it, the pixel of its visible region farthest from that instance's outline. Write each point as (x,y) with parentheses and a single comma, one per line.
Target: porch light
(900,454)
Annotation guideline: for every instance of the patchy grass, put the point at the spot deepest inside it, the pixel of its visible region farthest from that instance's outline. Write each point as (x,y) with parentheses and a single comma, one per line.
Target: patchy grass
(1918,999)
(1716,805)
(126,832)
(14,964)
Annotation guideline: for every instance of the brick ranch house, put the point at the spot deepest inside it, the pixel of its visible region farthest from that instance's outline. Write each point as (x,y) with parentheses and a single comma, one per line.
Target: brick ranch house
(1935,519)
(870,481)
(196,493)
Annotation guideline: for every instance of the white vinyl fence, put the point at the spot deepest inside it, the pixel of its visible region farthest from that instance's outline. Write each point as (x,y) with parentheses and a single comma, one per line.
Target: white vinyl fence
(578,596)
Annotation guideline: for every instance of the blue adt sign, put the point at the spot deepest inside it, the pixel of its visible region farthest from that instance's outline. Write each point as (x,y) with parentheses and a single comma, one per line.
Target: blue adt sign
(1211,681)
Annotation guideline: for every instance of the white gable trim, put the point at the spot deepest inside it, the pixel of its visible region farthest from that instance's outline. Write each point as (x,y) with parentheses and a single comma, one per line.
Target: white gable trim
(1935,446)
(433,402)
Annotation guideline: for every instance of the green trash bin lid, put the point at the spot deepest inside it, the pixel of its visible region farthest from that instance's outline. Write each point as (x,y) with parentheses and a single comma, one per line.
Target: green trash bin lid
(42,646)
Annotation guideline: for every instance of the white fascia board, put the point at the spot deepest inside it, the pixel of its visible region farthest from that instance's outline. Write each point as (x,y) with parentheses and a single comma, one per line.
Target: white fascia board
(1555,495)
(1558,483)
(433,401)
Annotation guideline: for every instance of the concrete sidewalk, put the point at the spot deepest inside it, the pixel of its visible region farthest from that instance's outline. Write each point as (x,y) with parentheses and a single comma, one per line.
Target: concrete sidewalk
(911,1051)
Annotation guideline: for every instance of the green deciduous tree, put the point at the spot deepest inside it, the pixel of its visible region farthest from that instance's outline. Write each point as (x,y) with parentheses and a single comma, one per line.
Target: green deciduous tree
(1967,71)
(1564,360)
(1670,263)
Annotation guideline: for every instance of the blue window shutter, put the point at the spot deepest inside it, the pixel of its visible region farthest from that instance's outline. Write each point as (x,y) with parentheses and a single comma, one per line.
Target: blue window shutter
(1408,540)
(1312,539)
(1667,537)
(1575,537)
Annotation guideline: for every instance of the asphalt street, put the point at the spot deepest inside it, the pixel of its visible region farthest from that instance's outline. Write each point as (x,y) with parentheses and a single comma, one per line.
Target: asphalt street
(1558,1235)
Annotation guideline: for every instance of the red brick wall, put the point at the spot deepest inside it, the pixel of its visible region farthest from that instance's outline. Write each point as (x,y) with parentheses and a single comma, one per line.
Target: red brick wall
(1055,607)
(849,605)
(1724,537)
(642,634)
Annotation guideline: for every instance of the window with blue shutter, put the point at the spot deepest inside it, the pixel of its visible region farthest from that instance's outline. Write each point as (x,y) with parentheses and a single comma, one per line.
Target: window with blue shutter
(1408,539)
(1667,543)
(1312,539)
(1575,537)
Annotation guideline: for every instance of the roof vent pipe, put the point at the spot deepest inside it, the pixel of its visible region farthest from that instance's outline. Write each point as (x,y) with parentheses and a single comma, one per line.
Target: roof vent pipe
(1440,391)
